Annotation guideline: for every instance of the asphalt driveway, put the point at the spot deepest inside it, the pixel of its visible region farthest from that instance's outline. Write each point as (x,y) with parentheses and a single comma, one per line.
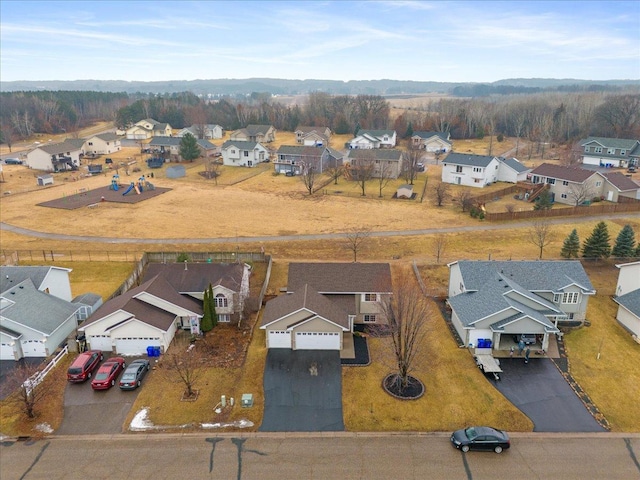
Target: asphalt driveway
(303,391)
(87,411)
(540,391)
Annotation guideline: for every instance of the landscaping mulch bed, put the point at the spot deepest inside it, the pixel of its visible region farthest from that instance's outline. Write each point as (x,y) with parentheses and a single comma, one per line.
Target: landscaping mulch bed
(226,346)
(414,390)
(79,198)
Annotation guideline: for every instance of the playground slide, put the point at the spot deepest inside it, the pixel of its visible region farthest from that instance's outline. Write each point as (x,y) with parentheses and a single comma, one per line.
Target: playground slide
(128,189)
(137,189)
(114,186)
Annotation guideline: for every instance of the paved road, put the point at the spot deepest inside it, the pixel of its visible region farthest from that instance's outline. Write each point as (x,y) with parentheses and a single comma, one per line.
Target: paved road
(288,238)
(320,456)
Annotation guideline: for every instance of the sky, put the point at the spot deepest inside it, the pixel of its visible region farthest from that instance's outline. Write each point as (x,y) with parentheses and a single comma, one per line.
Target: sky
(440,41)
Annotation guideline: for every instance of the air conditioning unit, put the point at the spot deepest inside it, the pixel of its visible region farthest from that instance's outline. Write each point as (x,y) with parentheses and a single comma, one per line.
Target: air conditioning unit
(247,400)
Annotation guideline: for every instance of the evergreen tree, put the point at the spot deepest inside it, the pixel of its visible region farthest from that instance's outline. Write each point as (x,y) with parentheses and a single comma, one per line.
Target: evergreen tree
(206,323)
(598,244)
(189,149)
(625,243)
(543,202)
(638,250)
(409,132)
(571,246)
(357,129)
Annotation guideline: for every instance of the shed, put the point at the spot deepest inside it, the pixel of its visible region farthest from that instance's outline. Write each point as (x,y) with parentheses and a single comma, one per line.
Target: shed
(405,191)
(177,171)
(44,180)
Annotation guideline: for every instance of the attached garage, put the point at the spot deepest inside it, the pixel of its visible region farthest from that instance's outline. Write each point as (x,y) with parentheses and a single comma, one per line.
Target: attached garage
(136,345)
(318,341)
(6,352)
(34,348)
(100,342)
(278,339)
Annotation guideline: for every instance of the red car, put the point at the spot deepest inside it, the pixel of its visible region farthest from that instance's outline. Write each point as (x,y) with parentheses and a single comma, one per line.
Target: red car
(107,373)
(83,366)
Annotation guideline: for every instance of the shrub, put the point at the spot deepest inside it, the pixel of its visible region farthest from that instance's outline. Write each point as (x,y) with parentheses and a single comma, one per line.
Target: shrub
(500,137)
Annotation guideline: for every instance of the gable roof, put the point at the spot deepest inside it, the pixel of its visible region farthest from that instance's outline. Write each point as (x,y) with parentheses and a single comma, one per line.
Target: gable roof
(630,301)
(306,297)
(106,137)
(376,133)
(468,159)
(11,276)
(63,147)
(444,136)
(257,129)
(26,304)
(341,277)
(606,142)
(301,150)
(560,172)
(195,277)
(175,142)
(241,145)
(309,129)
(621,182)
(515,164)
(390,154)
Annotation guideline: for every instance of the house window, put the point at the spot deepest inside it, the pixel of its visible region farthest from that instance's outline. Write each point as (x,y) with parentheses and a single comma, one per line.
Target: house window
(570,297)
(458,168)
(586,149)
(598,184)
(221,300)
(370,297)
(611,151)
(224,318)
(233,152)
(565,183)
(564,195)
(476,180)
(556,297)
(623,152)
(246,153)
(368,318)
(90,143)
(477,169)
(551,181)
(598,149)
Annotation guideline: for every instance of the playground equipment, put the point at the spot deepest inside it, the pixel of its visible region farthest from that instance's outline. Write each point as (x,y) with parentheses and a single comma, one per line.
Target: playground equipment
(131,187)
(155,162)
(114,182)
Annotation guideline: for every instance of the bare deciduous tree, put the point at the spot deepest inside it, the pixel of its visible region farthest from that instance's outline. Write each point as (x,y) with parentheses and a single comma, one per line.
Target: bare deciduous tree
(363,164)
(185,366)
(335,171)
(464,199)
(30,390)
(579,192)
(540,234)
(439,245)
(384,172)
(441,193)
(308,175)
(410,160)
(355,239)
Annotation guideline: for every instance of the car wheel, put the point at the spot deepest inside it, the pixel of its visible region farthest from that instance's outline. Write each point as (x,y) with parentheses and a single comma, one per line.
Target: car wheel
(147,366)
(464,448)
(498,449)
(138,383)
(89,375)
(113,382)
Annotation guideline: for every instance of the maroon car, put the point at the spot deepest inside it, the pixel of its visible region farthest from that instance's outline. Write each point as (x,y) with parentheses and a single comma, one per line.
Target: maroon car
(83,366)
(107,373)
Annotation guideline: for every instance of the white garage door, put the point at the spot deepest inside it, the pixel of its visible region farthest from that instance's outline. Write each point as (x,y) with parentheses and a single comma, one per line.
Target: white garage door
(317,341)
(34,348)
(6,352)
(136,345)
(279,339)
(100,342)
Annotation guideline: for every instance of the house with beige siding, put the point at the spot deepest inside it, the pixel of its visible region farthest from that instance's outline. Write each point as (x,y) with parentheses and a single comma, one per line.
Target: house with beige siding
(254,133)
(102,144)
(313,135)
(148,128)
(628,298)
(56,157)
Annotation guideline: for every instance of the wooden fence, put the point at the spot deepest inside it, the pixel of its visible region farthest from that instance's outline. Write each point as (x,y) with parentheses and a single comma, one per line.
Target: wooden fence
(584,211)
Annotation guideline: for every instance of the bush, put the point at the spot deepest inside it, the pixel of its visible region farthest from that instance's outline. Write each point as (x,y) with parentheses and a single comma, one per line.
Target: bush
(500,137)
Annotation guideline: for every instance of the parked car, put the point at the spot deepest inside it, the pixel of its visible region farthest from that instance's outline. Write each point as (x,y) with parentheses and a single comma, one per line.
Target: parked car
(12,161)
(133,375)
(107,373)
(83,366)
(480,438)
(527,338)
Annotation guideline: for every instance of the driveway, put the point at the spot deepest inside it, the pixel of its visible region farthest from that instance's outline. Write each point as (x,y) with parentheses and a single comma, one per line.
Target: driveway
(303,391)
(540,391)
(87,411)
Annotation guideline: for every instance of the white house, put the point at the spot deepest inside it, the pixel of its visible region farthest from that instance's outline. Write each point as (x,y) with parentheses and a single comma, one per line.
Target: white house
(243,154)
(51,280)
(481,170)
(56,157)
(204,131)
(102,144)
(496,300)
(148,128)
(432,141)
(512,171)
(368,139)
(628,298)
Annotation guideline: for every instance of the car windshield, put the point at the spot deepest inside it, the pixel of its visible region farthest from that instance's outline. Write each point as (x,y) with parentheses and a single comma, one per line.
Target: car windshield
(102,376)
(471,433)
(75,371)
(128,376)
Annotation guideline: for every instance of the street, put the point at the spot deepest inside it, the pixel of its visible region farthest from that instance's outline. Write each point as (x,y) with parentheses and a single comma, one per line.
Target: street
(318,456)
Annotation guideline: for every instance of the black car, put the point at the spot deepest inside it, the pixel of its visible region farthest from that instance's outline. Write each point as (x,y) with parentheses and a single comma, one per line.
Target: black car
(480,438)
(12,161)
(133,375)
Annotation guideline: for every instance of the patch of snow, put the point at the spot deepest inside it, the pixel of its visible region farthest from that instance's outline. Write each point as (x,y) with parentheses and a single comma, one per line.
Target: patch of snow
(238,424)
(44,428)
(141,421)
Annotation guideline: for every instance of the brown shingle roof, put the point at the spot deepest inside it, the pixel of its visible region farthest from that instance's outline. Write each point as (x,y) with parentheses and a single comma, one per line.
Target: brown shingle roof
(621,182)
(195,277)
(341,277)
(571,174)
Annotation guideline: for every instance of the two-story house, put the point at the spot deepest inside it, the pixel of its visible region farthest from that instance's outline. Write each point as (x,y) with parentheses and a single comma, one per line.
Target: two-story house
(171,145)
(148,128)
(481,170)
(243,154)
(254,133)
(383,163)
(297,159)
(628,298)
(439,142)
(102,144)
(371,139)
(610,152)
(203,131)
(313,135)
(497,300)
(56,157)
(323,302)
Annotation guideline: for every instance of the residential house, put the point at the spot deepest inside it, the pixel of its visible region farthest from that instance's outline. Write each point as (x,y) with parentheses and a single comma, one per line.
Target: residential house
(148,128)
(385,163)
(297,158)
(169,298)
(371,139)
(203,131)
(318,136)
(628,298)
(497,300)
(25,293)
(481,170)
(574,185)
(254,133)
(435,142)
(243,154)
(102,144)
(323,303)
(56,157)
(610,152)
(171,146)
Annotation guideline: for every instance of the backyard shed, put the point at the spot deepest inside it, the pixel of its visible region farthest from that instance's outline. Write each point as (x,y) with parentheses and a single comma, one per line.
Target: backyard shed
(44,180)
(177,171)
(405,191)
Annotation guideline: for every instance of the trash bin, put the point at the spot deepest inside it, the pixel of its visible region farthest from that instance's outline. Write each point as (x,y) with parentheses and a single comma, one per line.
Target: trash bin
(150,351)
(156,351)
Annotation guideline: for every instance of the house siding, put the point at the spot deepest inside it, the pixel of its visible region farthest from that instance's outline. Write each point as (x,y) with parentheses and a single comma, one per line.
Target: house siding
(628,320)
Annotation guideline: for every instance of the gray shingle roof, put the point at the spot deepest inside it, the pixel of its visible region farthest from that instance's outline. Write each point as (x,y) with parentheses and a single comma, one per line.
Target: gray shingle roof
(622,143)
(241,145)
(11,275)
(341,277)
(378,153)
(631,301)
(425,135)
(515,164)
(175,142)
(468,159)
(300,150)
(108,137)
(376,133)
(30,305)
(63,147)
